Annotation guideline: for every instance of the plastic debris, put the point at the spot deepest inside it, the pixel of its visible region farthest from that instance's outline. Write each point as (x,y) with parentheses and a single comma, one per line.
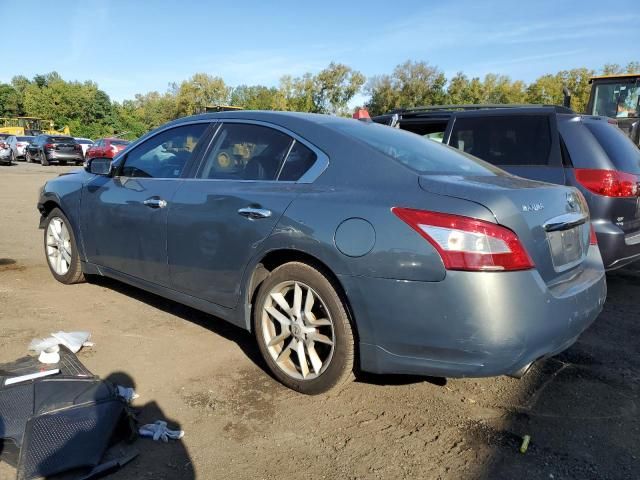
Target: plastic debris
(525,443)
(50,355)
(159,431)
(74,341)
(127,393)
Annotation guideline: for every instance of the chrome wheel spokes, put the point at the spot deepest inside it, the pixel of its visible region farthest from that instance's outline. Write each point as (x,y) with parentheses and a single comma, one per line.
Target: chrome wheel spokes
(298,330)
(58,246)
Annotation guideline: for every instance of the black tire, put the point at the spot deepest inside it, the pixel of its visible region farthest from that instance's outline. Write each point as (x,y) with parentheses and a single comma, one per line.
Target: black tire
(74,273)
(339,369)
(12,157)
(27,157)
(43,159)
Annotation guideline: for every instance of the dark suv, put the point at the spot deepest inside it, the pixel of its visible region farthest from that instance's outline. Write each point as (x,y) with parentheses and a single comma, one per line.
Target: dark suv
(54,148)
(552,144)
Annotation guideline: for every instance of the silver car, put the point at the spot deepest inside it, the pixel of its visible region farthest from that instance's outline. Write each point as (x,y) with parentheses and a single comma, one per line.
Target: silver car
(18,144)
(84,143)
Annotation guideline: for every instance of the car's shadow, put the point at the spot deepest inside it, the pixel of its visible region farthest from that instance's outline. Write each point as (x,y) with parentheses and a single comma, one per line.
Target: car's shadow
(242,338)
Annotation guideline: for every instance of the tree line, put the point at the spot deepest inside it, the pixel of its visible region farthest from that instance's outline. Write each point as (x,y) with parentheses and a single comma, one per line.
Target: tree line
(89,112)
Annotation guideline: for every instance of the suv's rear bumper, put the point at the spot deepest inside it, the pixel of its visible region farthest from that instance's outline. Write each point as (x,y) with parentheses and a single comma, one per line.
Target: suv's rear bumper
(472,323)
(617,247)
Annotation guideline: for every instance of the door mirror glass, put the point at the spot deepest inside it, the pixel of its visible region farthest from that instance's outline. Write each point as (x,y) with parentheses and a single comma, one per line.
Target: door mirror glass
(99,166)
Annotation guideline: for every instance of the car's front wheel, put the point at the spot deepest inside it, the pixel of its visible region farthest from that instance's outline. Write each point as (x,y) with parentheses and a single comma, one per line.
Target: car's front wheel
(27,157)
(43,159)
(60,248)
(303,330)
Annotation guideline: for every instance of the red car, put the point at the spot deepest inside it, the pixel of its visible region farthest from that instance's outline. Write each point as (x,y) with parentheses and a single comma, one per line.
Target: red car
(106,147)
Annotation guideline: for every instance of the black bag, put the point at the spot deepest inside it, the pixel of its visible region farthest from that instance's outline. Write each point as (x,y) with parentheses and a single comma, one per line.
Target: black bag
(57,423)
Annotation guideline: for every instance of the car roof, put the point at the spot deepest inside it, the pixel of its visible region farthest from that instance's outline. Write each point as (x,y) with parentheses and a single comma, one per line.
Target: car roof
(445,111)
(265,115)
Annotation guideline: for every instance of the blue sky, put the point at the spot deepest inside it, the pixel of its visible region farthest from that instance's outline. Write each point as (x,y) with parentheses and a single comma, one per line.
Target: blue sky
(129,47)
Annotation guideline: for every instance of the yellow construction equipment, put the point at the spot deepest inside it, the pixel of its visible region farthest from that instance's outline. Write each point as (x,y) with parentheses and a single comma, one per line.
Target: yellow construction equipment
(30,126)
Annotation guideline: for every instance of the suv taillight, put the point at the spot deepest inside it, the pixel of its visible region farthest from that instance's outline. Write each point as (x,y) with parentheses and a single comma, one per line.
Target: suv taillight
(608,183)
(48,146)
(466,243)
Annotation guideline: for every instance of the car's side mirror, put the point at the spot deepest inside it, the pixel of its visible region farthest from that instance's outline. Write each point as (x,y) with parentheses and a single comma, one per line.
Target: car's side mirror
(99,166)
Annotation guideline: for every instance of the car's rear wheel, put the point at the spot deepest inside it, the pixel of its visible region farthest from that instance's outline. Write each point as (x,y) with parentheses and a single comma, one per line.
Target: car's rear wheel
(27,157)
(303,330)
(60,248)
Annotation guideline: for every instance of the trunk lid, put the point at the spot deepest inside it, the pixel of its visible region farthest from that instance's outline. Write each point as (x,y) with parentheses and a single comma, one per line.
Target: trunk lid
(548,219)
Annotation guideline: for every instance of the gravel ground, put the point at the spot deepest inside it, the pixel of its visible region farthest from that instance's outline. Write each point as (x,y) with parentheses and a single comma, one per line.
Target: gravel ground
(580,408)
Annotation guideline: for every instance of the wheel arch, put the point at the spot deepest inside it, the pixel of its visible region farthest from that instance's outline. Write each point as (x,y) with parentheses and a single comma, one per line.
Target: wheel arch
(275,258)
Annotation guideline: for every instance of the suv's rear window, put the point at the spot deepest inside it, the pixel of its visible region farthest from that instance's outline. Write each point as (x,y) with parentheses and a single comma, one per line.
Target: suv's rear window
(119,142)
(514,140)
(416,152)
(618,147)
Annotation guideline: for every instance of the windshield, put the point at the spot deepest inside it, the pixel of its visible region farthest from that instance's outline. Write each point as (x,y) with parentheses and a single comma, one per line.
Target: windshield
(416,152)
(617,100)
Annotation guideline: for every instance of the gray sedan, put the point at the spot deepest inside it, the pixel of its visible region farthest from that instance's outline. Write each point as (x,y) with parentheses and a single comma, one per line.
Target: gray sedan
(336,243)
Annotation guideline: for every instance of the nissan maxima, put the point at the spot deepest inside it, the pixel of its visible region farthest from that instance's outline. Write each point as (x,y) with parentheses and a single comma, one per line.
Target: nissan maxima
(337,243)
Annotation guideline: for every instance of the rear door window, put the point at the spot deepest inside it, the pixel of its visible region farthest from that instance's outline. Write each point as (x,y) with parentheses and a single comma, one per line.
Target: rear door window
(622,152)
(243,151)
(513,140)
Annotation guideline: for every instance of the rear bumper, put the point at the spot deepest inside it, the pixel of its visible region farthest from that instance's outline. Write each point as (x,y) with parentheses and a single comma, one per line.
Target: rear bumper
(472,324)
(65,157)
(617,248)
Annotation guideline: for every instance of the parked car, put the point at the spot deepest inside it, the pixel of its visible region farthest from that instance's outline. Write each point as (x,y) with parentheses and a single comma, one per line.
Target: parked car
(85,143)
(54,148)
(552,144)
(17,144)
(5,152)
(106,147)
(329,238)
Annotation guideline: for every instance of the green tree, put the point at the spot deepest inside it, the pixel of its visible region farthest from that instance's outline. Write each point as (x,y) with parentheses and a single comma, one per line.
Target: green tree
(10,101)
(202,89)
(258,97)
(334,87)
(411,84)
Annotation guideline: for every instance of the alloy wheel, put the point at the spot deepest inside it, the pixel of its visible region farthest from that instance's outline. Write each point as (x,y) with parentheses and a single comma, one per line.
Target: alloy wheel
(298,330)
(58,246)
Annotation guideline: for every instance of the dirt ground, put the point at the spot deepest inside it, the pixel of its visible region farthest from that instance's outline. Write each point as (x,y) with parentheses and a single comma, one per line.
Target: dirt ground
(580,408)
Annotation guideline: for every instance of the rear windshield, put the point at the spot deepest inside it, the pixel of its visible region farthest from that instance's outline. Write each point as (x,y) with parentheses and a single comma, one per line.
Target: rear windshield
(84,141)
(119,142)
(414,151)
(61,140)
(619,148)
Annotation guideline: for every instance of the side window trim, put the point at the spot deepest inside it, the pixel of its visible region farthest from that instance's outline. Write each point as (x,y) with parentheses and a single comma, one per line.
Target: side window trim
(320,165)
(195,157)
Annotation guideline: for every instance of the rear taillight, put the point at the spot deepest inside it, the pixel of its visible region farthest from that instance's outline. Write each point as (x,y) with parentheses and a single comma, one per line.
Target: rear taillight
(466,243)
(608,183)
(593,240)
(49,146)
(77,147)
(3,145)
